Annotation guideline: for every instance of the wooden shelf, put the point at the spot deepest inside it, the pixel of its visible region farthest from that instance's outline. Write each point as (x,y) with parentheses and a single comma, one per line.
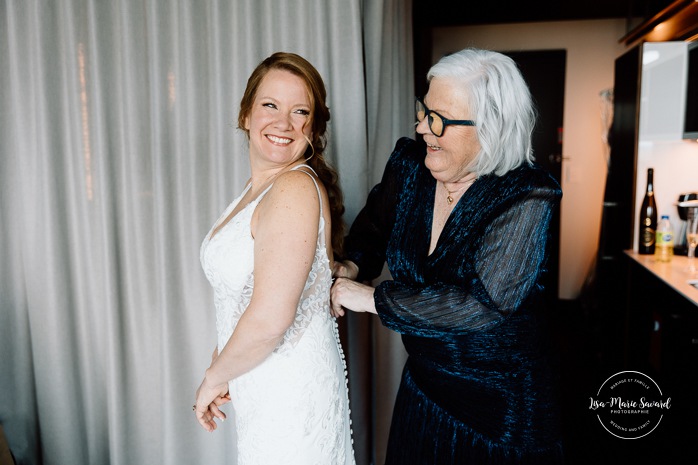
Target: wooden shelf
(678,21)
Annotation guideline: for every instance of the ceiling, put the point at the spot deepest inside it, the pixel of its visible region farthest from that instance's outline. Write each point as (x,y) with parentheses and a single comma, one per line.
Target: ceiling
(433,13)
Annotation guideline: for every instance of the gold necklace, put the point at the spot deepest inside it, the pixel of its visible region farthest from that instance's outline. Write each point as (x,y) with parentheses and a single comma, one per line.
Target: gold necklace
(449,194)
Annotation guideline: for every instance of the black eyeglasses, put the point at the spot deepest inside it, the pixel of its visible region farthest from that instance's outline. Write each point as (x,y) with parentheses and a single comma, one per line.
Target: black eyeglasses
(437,123)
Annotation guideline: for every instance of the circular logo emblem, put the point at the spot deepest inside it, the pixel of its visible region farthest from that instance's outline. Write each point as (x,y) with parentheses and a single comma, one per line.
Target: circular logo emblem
(630,405)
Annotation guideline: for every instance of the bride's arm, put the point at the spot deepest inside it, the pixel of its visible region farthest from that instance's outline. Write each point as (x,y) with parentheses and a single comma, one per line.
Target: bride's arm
(285,236)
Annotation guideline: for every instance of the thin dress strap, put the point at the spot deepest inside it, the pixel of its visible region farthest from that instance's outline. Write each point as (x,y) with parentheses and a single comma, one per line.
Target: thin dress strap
(319,194)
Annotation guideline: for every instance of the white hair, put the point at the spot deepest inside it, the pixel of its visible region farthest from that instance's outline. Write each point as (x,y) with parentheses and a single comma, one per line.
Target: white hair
(500,102)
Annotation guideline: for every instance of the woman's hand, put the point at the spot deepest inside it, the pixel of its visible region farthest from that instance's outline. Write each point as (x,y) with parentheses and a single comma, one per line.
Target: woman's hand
(208,400)
(350,295)
(346,269)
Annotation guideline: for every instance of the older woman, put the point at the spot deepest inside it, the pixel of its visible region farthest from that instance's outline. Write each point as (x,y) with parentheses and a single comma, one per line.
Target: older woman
(462,220)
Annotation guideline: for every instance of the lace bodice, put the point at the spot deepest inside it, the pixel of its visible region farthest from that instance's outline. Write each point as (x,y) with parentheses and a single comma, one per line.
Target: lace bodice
(228,262)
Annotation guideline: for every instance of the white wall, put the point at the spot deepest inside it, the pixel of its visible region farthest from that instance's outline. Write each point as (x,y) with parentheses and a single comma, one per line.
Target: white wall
(662,103)
(592,47)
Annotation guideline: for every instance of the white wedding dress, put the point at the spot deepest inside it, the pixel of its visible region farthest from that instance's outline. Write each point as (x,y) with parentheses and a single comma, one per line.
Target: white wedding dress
(293,408)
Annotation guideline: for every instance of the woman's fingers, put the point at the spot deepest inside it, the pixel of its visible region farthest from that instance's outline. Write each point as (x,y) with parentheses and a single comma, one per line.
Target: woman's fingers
(207,411)
(217,402)
(336,308)
(216,412)
(337,311)
(205,419)
(347,294)
(347,269)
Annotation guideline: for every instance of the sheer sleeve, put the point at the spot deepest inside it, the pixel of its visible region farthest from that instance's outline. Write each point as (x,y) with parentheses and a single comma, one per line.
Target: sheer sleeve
(369,234)
(508,264)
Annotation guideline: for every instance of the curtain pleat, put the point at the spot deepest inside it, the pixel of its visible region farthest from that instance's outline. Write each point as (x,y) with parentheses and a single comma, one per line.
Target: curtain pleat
(118,150)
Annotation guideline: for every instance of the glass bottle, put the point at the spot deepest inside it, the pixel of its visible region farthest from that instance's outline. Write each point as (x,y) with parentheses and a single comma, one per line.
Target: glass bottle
(648,218)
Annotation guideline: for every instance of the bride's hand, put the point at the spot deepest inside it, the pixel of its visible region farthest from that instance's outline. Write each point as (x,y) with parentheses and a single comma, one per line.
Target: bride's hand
(208,400)
(350,295)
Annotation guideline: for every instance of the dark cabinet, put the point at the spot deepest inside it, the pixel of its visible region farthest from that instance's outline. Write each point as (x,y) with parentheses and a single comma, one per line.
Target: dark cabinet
(603,296)
(617,219)
(661,340)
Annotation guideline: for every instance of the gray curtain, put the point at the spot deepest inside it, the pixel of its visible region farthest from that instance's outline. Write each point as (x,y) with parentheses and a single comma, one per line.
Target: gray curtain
(118,149)
(375,354)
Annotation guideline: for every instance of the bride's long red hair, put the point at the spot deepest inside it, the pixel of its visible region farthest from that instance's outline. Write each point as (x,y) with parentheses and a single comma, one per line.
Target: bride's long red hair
(320,115)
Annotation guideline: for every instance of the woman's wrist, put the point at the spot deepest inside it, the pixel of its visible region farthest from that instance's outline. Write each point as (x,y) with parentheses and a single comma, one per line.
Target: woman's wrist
(213,378)
(371,300)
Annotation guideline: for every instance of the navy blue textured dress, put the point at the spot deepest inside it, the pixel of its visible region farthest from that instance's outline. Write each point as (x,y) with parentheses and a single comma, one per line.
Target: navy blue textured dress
(479,385)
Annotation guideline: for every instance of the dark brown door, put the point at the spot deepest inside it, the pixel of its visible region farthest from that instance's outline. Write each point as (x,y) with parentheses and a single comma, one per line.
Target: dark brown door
(544,72)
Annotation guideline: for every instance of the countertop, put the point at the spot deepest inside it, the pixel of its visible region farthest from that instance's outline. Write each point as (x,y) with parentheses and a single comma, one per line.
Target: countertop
(673,273)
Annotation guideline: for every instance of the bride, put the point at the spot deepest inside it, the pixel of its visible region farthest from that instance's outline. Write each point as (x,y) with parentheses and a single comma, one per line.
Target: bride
(269,259)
